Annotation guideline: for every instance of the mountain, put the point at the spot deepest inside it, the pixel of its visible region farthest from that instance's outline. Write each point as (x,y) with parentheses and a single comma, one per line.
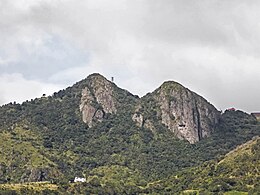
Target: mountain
(186,114)
(100,98)
(99,131)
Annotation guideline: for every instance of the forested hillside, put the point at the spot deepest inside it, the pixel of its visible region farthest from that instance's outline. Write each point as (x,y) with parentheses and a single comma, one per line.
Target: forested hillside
(89,132)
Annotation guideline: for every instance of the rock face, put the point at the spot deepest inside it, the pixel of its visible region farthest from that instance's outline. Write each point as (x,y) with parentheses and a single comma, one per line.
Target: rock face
(97,99)
(142,122)
(39,174)
(186,114)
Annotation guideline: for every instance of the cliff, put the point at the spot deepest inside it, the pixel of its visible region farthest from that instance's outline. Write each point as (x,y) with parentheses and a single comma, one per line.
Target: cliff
(188,115)
(100,98)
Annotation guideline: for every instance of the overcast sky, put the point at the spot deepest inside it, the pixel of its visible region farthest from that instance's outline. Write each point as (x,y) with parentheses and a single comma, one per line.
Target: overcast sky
(210,46)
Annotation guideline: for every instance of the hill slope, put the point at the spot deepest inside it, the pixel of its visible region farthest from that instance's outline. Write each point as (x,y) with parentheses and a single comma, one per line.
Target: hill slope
(239,170)
(95,126)
(236,173)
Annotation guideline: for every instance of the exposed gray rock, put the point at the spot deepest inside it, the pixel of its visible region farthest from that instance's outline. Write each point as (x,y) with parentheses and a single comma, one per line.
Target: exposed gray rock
(188,115)
(97,99)
(103,93)
(86,106)
(138,119)
(2,169)
(149,125)
(35,174)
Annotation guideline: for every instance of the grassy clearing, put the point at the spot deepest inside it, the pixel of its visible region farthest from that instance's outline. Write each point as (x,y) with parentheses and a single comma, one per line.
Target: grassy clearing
(32,186)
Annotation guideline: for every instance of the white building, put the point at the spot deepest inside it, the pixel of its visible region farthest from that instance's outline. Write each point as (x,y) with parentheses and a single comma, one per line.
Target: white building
(79,179)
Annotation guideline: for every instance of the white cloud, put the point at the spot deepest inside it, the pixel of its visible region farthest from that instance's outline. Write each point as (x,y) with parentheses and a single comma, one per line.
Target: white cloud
(14,87)
(208,45)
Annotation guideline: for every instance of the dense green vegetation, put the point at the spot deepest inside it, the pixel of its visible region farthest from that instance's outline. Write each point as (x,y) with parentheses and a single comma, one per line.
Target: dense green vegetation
(45,139)
(237,173)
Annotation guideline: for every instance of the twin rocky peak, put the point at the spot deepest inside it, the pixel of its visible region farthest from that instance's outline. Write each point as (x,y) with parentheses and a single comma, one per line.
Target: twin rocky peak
(186,114)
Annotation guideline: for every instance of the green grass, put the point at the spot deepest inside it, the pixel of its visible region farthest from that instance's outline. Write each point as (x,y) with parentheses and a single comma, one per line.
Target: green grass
(235,193)
(29,188)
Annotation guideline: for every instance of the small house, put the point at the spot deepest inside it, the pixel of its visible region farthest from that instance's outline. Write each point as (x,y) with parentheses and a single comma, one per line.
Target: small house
(80,179)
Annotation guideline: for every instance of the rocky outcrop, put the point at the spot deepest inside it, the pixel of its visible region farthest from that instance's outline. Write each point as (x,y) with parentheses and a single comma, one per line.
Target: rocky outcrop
(97,99)
(142,122)
(103,92)
(89,108)
(138,119)
(188,115)
(40,174)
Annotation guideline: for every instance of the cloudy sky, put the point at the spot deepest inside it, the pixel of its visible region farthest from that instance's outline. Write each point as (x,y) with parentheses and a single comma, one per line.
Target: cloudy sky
(209,46)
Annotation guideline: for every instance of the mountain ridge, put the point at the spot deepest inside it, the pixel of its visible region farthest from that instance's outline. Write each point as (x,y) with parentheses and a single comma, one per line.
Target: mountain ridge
(127,134)
(185,113)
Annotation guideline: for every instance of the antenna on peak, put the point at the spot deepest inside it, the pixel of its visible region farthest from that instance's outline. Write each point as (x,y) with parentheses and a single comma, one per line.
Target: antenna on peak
(112,79)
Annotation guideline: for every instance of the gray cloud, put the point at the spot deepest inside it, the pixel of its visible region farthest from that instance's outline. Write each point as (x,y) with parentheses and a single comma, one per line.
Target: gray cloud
(48,58)
(210,46)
